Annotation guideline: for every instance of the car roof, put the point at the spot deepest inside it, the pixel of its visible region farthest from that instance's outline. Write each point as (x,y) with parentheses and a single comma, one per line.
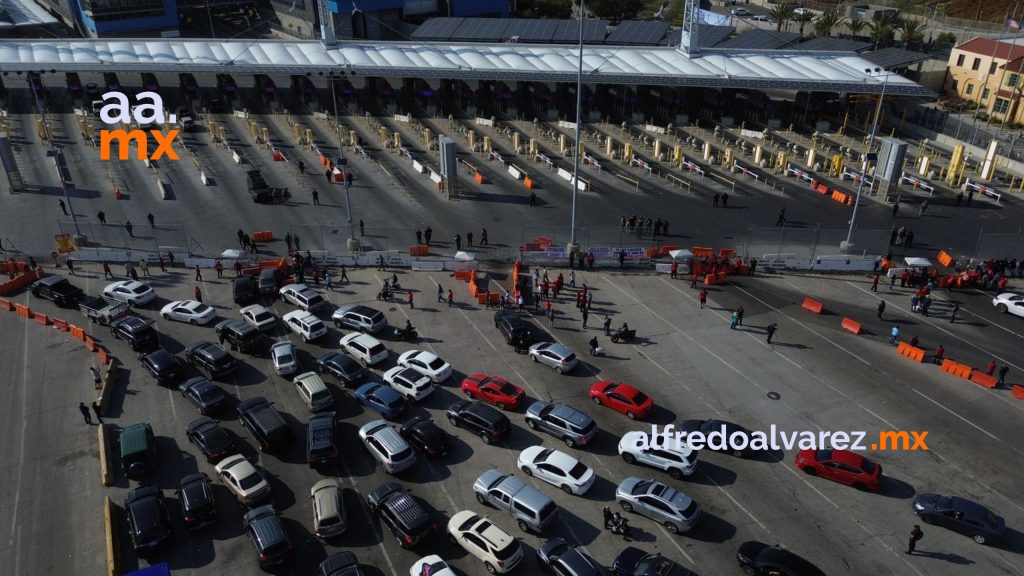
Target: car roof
(282,344)
(775,556)
(236,465)
(849,458)
(302,315)
(571,415)
(364,339)
(556,458)
(554,348)
(254,308)
(384,434)
(380,390)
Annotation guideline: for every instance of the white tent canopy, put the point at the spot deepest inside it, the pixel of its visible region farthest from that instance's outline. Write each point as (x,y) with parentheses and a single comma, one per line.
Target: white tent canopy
(681,254)
(465,256)
(915,262)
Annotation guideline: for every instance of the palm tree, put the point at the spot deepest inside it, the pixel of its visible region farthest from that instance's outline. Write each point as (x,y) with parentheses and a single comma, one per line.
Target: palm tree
(828,21)
(804,18)
(911,32)
(879,31)
(855,25)
(780,13)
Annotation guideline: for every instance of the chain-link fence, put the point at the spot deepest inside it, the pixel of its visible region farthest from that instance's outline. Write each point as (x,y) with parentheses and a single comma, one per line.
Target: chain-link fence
(807,243)
(115,235)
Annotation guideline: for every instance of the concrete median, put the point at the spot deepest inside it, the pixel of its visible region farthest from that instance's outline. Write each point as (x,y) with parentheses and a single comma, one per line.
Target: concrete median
(106,465)
(109,383)
(111,524)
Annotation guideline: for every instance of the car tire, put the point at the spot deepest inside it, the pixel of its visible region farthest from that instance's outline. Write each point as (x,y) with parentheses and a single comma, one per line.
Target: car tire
(534,358)
(1002,308)
(531,424)
(454,541)
(500,405)
(630,415)
(810,471)
(927,520)
(672,528)
(468,394)
(193,322)
(628,458)
(597,400)
(675,473)
(749,570)
(486,438)
(560,370)
(453,421)
(626,506)
(569,442)
(480,498)
(166,316)
(337,324)
(490,568)
(566,488)
(526,470)
(979,538)
(523,526)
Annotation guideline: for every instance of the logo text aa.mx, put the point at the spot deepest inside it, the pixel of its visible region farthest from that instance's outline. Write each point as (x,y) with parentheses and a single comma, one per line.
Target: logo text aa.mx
(143,113)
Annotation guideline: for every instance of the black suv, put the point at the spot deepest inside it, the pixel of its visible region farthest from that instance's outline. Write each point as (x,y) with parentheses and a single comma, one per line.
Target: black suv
(267,426)
(758,558)
(244,289)
(137,332)
(165,367)
(149,524)
(426,436)
(211,359)
(348,372)
(321,444)
(197,503)
(268,536)
(214,441)
(258,188)
(513,328)
(242,336)
(57,289)
(401,513)
(489,423)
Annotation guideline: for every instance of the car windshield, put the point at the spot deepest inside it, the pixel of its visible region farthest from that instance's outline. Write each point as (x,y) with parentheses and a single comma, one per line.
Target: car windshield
(139,289)
(578,470)
(207,393)
(250,481)
(437,364)
(469,523)
(200,308)
(508,389)
(868,466)
(640,398)
(284,358)
(262,316)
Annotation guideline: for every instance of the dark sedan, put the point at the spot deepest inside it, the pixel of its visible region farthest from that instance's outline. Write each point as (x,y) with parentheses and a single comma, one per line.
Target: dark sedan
(636,562)
(556,556)
(706,427)
(149,524)
(197,502)
(211,439)
(960,515)
(165,367)
(206,396)
(348,372)
(760,559)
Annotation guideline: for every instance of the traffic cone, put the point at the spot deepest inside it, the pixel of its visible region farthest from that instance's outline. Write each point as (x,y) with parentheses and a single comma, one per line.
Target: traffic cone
(117,192)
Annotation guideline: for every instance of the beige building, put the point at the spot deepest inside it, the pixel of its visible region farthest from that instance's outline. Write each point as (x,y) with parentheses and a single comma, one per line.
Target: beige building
(989,71)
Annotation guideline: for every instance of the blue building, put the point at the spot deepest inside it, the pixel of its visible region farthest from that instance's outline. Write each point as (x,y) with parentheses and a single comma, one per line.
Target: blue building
(105,18)
(387,19)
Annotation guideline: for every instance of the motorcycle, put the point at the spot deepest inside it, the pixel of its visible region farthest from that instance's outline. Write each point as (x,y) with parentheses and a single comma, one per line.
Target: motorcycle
(408,335)
(620,527)
(623,334)
(385,295)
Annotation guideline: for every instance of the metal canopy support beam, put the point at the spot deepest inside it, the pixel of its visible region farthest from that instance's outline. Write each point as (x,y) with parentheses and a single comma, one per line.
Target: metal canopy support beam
(689,42)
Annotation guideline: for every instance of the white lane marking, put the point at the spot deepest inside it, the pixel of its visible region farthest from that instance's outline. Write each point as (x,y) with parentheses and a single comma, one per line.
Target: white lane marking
(170,400)
(672,538)
(366,510)
(812,487)
(15,539)
(965,420)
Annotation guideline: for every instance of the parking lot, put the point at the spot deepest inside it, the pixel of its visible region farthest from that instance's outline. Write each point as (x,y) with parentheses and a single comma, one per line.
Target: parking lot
(813,377)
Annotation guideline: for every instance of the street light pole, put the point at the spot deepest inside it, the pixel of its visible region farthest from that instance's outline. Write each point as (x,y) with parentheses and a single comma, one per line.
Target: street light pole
(341,150)
(576,153)
(864,166)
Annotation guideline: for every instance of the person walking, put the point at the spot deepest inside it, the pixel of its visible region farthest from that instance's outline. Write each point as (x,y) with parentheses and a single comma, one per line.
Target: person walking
(128,226)
(151,219)
(593,351)
(469,239)
(380,262)
(894,335)
(572,279)
(483,236)
(344,274)
(106,271)
(714,200)
(673,270)
(102,217)
(551,318)
(302,167)
(622,258)
(198,294)
(295,240)
(522,304)
(1002,375)
(144,265)
(585,316)
(458,242)
(922,209)
(98,411)
(953,312)
(440,293)
(734,321)
(63,208)
(770,330)
(892,283)
(959,198)
(781,220)
(238,268)
(199,274)
(96,379)
(881,308)
(990,370)
(939,354)
(316,198)
(288,240)
(362,230)
(160,260)
(419,238)
(85,412)
(739,312)
(915,535)
(451,298)
(533,199)
(703,296)
(71,267)
(219,267)
(874,283)
(327,176)
(427,235)
(590,299)
(693,280)
(725,199)
(327,280)
(134,275)
(411,305)
(895,209)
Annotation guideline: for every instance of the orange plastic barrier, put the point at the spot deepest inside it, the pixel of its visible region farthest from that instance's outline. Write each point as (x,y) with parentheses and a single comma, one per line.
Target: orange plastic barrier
(479,178)
(812,305)
(90,344)
(530,247)
(528,182)
(41,319)
(948,366)
(263,236)
(544,242)
(701,252)
(945,259)
(851,325)
(76,332)
(652,252)
(6,304)
(982,379)
(463,275)
(60,324)
(337,176)
(915,354)
(821,187)
(276,156)
(324,160)
(414,250)
(667,249)
(494,297)
(482,297)
(721,278)
(709,280)
(956,369)
(839,196)
(23,311)
(726,252)
(104,356)
(1018,392)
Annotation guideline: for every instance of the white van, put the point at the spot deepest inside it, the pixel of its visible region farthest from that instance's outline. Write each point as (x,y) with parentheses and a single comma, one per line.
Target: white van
(313,391)
(364,348)
(305,324)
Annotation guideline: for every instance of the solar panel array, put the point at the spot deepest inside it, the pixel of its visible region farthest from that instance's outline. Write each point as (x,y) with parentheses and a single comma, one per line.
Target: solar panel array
(638,33)
(568,32)
(758,39)
(531,30)
(833,44)
(480,30)
(534,30)
(437,29)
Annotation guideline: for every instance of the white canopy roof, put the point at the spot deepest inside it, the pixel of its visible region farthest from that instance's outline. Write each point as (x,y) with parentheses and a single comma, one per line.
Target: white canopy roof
(916,262)
(756,69)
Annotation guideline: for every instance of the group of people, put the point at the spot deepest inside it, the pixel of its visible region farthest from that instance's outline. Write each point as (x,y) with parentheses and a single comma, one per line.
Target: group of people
(640,226)
(902,236)
(246,241)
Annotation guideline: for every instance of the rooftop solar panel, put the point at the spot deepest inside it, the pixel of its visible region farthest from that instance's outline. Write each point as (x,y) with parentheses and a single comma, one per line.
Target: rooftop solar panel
(480,30)
(634,32)
(832,44)
(568,32)
(531,29)
(761,39)
(437,29)
(893,57)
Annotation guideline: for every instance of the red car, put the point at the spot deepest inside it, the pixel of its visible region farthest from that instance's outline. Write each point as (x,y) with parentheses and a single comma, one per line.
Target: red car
(493,390)
(622,398)
(841,466)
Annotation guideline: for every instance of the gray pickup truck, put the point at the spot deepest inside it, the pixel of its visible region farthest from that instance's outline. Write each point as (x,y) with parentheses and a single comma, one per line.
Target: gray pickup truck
(531,508)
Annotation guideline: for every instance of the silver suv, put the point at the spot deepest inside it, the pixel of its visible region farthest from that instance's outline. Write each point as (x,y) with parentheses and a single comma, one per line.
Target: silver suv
(676,511)
(678,461)
(359,317)
(562,421)
(387,446)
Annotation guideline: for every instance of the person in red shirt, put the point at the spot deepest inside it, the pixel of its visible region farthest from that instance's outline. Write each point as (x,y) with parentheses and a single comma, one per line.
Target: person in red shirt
(199,297)
(991,368)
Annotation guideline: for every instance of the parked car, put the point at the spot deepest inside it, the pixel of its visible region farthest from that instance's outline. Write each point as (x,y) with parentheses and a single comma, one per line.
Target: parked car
(364,348)
(676,511)
(493,390)
(264,423)
(58,290)
(321,440)
(678,460)
(381,399)
(426,363)
(340,564)
(432,565)
(513,328)
(359,317)
(137,332)
(1010,302)
(302,296)
(206,396)
(269,280)
(557,468)
(387,446)
(480,419)
(305,324)
(149,524)
(409,382)
(268,536)
(348,372)
(425,436)
(165,367)
(328,508)
(636,562)
(130,291)
(401,513)
(282,354)
(554,355)
(242,336)
(243,479)
(841,466)
(557,557)
(258,317)
(213,441)
(483,539)
(622,398)
(760,559)
(529,507)
(243,289)
(191,311)
(313,392)
(562,421)
(211,359)
(740,12)
(198,505)
(723,427)
(138,450)
(960,515)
